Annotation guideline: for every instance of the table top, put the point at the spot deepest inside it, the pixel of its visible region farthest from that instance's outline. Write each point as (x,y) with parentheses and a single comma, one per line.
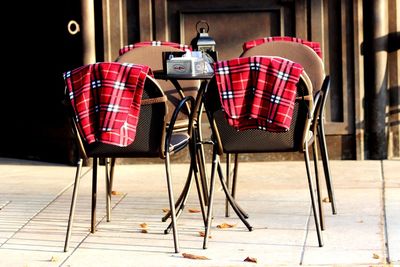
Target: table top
(160,74)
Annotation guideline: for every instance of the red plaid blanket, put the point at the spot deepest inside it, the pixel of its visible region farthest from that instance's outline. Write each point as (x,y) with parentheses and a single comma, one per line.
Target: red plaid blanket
(153,43)
(258,92)
(106,100)
(314,45)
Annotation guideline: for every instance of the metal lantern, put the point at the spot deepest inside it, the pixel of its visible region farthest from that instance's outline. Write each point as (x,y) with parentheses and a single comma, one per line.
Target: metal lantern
(203,42)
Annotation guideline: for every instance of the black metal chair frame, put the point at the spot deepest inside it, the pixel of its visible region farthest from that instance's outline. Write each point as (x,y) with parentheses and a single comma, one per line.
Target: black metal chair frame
(231,175)
(314,64)
(320,120)
(304,104)
(318,128)
(157,140)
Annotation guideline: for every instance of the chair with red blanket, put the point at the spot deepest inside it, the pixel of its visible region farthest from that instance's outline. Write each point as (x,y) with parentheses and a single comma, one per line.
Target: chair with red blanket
(118,110)
(309,55)
(259,105)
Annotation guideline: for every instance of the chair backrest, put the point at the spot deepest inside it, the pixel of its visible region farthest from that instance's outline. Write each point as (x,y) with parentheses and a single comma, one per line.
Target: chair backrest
(319,109)
(325,92)
(229,140)
(152,57)
(150,133)
(296,52)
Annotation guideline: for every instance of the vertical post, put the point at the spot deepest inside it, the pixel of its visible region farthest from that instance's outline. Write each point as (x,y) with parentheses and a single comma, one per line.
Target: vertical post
(359,88)
(115,35)
(161,20)
(376,35)
(146,20)
(394,81)
(301,19)
(88,32)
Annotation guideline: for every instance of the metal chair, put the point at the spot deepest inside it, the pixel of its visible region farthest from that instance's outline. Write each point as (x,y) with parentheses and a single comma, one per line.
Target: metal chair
(228,140)
(153,139)
(315,70)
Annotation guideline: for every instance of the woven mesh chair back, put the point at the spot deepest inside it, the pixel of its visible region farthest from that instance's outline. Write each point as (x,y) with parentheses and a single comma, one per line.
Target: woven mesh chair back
(296,52)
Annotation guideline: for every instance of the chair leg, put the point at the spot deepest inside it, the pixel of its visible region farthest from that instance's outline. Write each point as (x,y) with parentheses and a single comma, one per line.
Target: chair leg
(228,176)
(182,199)
(108,188)
(113,160)
(73,204)
(171,202)
(234,179)
(200,155)
(94,196)
(318,186)
(215,162)
(238,210)
(180,203)
(325,161)
(234,182)
(199,150)
(199,168)
(229,196)
(311,189)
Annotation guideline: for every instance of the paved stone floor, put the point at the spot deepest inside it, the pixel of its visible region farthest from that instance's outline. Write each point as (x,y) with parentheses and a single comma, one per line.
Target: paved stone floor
(35,200)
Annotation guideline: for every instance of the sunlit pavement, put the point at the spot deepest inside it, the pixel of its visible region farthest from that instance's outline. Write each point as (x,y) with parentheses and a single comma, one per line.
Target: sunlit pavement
(36,196)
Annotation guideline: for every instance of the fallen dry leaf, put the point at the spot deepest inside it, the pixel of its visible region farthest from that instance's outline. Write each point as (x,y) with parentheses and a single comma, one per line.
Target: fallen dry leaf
(250,259)
(375,256)
(202,234)
(165,210)
(326,200)
(194,210)
(194,257)
(54,259)
(116,193)
(226,225)
(144,228)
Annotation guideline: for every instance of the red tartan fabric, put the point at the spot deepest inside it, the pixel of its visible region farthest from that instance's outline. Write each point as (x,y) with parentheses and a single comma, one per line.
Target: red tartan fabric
(314,45)
(153,43)
(106,100)
(258,92)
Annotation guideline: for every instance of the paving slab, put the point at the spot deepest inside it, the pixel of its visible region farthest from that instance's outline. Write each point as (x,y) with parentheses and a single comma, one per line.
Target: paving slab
(391,172)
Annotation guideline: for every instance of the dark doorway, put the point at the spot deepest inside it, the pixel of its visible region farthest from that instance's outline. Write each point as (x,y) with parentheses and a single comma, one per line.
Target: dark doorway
(39,49)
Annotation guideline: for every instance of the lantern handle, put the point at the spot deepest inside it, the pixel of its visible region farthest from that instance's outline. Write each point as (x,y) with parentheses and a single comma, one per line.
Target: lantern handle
(203,22)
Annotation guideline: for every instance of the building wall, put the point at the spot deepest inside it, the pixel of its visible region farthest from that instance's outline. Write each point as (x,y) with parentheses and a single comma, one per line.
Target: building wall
(34,120)
(338,25)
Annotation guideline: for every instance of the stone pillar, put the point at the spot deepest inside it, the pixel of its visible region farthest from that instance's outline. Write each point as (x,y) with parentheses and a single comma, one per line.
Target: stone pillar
(394,80)
(376,73)
(88,32)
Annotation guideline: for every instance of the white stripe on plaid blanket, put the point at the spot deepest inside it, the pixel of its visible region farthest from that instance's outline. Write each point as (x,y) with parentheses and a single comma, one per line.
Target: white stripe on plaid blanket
(275,99)
(119,85)
(113,108)
(96,84)
(227,94)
